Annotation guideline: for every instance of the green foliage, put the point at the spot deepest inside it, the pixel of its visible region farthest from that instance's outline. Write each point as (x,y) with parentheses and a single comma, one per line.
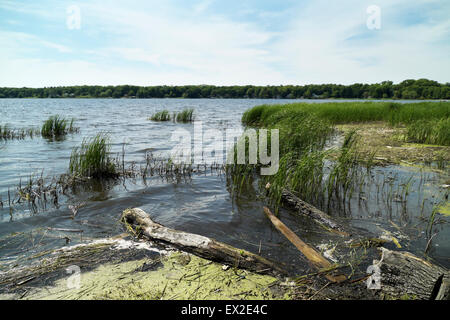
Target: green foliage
(349,112)
(56,127)
(92,158)
(185,116)
(326,176)
(408,89)
(305,129)
(161,116)
(435,131)
(344,171)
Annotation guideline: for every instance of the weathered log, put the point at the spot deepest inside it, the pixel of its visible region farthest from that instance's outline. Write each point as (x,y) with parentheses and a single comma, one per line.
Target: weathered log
(294,202)
(314,257)
(444,290)
(402,273)
(204,247)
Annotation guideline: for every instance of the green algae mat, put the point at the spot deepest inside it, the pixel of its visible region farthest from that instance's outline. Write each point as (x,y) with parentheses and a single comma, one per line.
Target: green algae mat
(142,274)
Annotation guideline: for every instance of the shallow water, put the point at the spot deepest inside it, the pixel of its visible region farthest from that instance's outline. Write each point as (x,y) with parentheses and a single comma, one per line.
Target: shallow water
(201,205)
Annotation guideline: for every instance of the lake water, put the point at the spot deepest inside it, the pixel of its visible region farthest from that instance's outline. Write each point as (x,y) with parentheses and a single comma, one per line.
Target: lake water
(201,205)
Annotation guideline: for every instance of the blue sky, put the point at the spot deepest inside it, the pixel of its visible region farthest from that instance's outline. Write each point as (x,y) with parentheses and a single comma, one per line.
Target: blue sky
(260,42)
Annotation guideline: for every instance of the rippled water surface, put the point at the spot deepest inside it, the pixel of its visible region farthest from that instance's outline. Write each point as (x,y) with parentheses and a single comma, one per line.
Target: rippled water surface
(201,205)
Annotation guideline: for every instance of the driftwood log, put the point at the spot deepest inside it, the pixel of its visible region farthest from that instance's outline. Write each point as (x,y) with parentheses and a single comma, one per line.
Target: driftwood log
(323,219)
(204,247)
(314,257)
(402,273)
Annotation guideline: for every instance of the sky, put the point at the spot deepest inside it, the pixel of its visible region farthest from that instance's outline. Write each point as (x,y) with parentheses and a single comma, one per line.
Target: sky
(222,42)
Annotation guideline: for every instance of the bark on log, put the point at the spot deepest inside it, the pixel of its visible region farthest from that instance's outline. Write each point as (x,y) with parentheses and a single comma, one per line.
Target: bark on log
(294,202)
(404,273)
(204,247)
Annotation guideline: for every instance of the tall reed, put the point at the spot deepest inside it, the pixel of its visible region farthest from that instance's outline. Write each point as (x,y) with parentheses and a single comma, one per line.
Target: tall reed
(161,116)
(57,126)
(185,116)
(436,131)
(92,159)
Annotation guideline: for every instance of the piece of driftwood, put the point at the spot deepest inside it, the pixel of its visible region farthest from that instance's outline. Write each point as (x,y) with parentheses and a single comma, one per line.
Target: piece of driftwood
(294,202)
(204,247)
(402,273)
(314,257)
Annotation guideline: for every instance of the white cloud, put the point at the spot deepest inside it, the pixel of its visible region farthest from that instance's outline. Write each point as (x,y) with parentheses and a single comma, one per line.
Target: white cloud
(316,49)
(19,42)
(160,43)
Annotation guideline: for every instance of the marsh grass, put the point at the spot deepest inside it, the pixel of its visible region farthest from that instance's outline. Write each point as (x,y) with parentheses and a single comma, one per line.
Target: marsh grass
(161,116)
(93,159)
(184,116)
(57,127)
(306,128)
(351,112)
(435,131)
(314,172)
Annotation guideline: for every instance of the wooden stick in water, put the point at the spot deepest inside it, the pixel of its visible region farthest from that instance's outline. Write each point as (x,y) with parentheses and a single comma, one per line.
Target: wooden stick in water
(314,257)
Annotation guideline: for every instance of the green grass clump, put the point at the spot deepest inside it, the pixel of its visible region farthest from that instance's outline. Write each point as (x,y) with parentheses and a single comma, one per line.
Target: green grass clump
(92,158)
(429,132)
(56,126)
(161,116)
(185,116)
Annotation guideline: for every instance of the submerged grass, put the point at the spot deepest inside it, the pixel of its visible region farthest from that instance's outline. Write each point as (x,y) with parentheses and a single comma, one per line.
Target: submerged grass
(92,159)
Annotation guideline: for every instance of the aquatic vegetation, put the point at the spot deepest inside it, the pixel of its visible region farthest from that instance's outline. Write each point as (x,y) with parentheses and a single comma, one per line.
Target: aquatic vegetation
(436,131)
(53,127)
(306,168)
(351,112)
(185,116)
(93,159)
(161,116)
(345,170)
(326,176)
(140,274)
(7,133)
(56,127)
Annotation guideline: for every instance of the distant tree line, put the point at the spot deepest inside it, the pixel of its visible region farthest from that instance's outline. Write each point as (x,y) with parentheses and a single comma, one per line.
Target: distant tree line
(408,89)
